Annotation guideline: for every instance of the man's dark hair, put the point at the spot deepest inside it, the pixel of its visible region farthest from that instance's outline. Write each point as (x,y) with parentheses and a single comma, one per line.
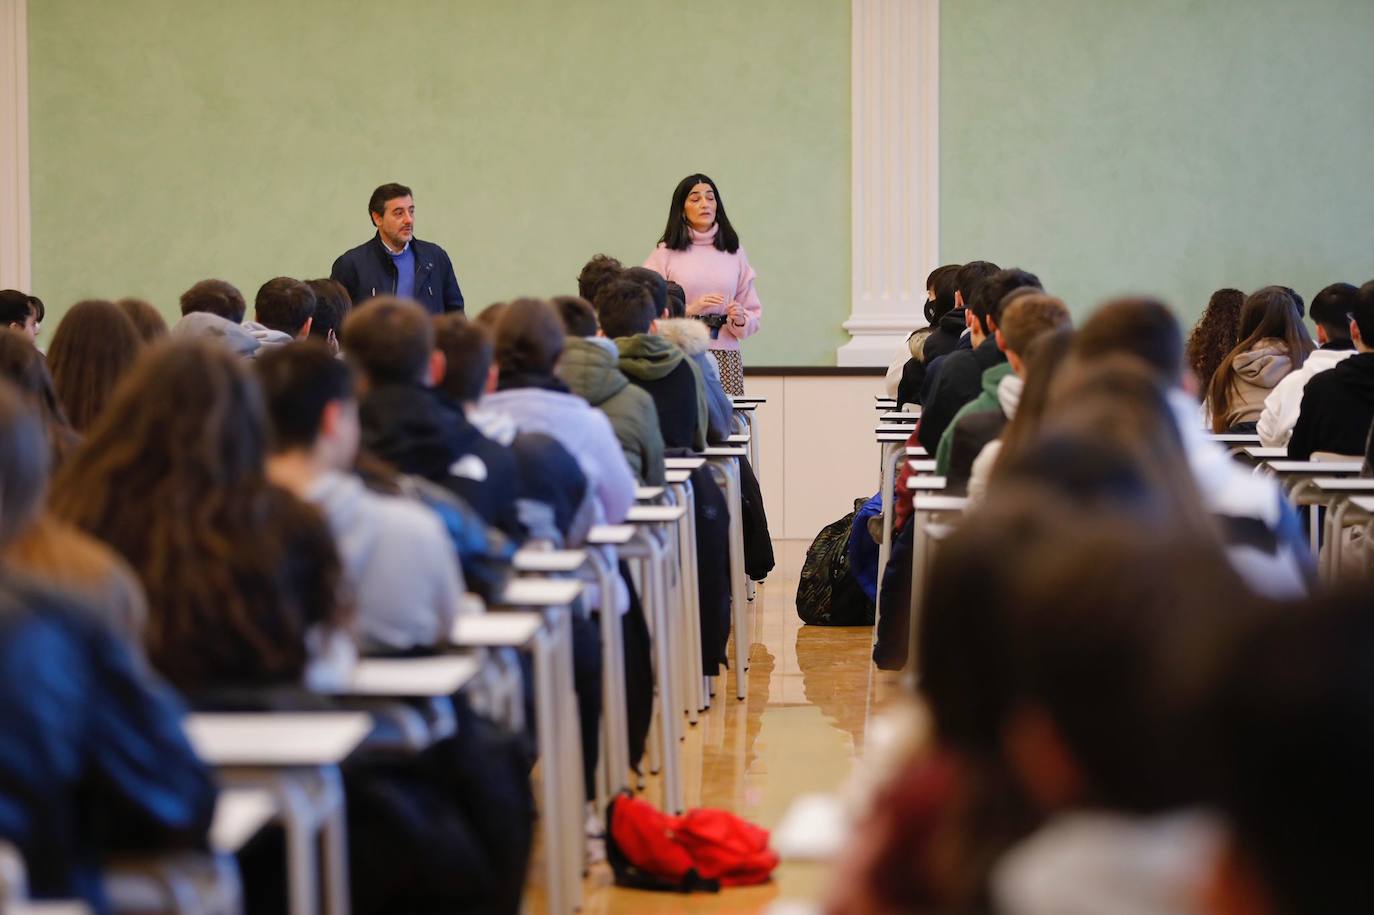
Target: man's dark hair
(1363,313)
(624,308)
(1297,300)
(971,276)
(1140,327)
(376,204)
(597,272)
(36,305)
(15,307)
(284,304)
(216,297)
(1332,307)
(986,303)
(529,338)
(579,319)
(389,340)
(468,352)
(943,281)
(298,381)
(677,301)
(332,304)
(653,281)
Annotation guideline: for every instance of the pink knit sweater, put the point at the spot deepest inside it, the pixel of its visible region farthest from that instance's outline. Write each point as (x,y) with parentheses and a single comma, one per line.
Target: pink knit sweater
(702,269)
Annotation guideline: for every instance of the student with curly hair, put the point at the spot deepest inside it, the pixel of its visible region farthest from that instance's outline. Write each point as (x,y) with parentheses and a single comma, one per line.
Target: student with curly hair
(1214,335)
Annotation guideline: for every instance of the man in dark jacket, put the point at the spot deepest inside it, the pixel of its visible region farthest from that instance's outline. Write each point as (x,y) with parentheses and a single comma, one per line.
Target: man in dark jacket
(395,262)
(417,429)
(960,377)
(1338,404)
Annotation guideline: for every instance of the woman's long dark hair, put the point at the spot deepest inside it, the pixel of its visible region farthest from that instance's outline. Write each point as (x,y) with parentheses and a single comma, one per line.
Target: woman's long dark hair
(1268,313)
(94,347)
(171,476)
(677,234)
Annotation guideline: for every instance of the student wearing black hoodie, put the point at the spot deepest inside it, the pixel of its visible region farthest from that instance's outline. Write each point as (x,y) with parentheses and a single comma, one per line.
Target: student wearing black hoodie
(1338,404)
(940,312)
(960,377)
(415,428)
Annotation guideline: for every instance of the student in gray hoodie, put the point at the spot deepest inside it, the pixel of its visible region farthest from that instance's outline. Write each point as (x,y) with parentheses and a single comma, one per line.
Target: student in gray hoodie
(285,309)
(398,563)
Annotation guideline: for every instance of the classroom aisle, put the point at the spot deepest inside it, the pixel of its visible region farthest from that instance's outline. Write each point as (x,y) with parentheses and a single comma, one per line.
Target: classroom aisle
(810,694)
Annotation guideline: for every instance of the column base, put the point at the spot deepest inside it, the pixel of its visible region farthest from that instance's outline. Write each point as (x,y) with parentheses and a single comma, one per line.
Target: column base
(876,341)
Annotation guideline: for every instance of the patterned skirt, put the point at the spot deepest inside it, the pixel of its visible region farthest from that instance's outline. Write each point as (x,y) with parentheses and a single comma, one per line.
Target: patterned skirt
(731,371)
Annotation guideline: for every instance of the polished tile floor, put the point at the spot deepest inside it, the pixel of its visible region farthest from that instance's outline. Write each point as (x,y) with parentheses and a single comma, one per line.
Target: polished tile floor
(811,692)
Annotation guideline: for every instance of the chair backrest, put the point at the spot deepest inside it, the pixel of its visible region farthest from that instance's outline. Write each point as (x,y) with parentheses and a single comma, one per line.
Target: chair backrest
(1331,456)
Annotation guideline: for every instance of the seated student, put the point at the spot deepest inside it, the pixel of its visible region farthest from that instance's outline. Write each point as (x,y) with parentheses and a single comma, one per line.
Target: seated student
(1273,342)
(694,339)
(952,332)
(398,565)
(94,347)
(245,609)
(241,576)
(414,427)
(1331,310)
(24,366)
(215,297)
(529,342)
(19,312)
(1264,538)
(553,493)
(1023,318)
(285,310)
(597,272)
(1214,335)
(1337,405)
(36,545)
(1043,357)
(94,759)
(213,310)
(332,305)
(588,367)
(147,320)
(687,337)
(959,378)
(625,310)
(1291,719)
(907,371)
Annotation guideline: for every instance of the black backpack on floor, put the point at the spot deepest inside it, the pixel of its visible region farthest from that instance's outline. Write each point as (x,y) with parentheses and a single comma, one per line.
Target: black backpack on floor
(828,594)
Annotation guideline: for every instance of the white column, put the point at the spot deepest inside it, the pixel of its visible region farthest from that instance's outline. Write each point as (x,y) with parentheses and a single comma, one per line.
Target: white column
(895,205)
(14,146)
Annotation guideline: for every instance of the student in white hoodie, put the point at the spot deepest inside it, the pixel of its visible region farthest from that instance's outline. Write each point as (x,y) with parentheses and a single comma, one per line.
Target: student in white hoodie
(1263,535)
(398,564)
(1330,311)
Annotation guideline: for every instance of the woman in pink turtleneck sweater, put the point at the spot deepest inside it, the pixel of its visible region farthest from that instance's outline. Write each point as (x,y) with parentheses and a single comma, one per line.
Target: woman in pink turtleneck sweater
(700,251)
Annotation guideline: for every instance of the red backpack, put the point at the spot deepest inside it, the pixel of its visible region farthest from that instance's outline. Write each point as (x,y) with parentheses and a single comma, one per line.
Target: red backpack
(704,850)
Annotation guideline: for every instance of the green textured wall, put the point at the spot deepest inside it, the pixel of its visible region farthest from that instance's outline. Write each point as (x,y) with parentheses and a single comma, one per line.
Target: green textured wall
(1170,146)
(172,141)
